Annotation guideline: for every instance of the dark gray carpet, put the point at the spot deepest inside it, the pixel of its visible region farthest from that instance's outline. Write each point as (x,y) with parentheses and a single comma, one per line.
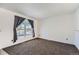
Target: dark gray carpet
(42,47)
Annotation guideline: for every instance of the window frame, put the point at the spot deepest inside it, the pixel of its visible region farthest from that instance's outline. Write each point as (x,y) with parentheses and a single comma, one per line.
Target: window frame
(26,32)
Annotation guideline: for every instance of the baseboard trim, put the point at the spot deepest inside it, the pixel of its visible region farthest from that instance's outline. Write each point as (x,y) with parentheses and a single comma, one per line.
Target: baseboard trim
(77,47)
(62,43)
(2,52)
(56,41)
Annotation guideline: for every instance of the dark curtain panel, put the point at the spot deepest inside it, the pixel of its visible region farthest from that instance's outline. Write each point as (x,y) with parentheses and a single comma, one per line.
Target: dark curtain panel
(17,21)
(32,25)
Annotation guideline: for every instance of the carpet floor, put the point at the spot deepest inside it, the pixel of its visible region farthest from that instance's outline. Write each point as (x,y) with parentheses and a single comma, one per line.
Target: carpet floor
(42,47)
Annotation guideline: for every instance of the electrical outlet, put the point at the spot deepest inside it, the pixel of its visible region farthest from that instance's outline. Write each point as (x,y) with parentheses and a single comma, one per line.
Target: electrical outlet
(66,38)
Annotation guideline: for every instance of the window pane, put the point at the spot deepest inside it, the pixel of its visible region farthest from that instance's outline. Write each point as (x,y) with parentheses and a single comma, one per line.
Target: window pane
(18,32)
(22,32)
(22,26)
(24,29)
(28,32)
(29,26)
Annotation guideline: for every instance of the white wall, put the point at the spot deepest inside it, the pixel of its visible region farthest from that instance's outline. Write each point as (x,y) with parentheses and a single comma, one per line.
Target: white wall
(58,28)
(6,28)
(76,41)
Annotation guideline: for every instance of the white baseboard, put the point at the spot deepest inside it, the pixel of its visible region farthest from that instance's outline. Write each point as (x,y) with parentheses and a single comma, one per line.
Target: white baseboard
(77,47)
(2,52)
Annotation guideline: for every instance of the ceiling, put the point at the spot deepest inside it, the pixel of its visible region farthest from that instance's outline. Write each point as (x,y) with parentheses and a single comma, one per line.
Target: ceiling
(41,10)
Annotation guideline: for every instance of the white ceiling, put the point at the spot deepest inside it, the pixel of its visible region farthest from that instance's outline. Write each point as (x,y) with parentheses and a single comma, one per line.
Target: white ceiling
(41,10)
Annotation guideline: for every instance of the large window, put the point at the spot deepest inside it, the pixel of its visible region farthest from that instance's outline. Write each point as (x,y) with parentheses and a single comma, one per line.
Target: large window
(24,29)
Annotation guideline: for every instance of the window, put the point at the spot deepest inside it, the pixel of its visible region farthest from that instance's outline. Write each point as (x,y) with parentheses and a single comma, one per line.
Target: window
(24,29)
